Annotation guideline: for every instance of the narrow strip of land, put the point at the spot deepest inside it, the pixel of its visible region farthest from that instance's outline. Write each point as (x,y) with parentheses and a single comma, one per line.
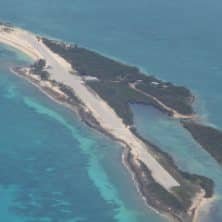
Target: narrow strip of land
(175,114)
(60,70)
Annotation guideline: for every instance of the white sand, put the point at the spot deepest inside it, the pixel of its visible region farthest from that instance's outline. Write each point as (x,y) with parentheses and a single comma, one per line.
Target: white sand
(109,120)
(176,114)
(203,208)
(197,200)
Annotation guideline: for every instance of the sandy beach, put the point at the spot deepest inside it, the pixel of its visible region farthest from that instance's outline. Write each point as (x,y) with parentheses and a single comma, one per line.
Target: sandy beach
(104,114)
(61,71)
(203,206)
(173,112)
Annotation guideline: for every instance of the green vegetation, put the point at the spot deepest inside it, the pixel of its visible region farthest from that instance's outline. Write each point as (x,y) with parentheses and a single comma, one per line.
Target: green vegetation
(153,192)
(167,198)
(38,69)
(72,98)
(39,65)
(121,85)
(208,137)
(116,81)
(6,27)
(91,63)
(189,183)
(178,201)
(176,97)
(206,183)
(119,96)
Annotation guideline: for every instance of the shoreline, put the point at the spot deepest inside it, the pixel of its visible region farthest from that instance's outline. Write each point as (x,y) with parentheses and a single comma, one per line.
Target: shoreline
(77,109)
(126,165)
(90,116)
(204,204)
(98,107)
(175,101)
(98,129)
(209,138)
(171,112)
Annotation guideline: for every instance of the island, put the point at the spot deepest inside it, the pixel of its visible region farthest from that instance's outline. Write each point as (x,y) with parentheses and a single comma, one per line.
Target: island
(100,90)
(208,137)
(111,79)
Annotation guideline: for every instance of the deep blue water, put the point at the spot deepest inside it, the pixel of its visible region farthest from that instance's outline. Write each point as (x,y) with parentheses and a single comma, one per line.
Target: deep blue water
(178,41)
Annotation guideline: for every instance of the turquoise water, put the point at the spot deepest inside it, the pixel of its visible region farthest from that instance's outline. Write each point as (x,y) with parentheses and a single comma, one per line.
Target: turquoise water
(179,41)
(54,168)
(187,154)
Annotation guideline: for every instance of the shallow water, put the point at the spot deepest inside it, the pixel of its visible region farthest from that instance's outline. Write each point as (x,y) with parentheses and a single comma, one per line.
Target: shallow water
(187,154)
(179,41)
(53,167)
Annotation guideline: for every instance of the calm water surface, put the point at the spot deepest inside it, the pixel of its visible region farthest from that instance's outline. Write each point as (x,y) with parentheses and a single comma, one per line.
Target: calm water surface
(54,168)
(178,41)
